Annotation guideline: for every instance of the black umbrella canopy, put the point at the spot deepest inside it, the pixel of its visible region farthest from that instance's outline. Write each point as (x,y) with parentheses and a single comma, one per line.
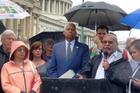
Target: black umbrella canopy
(91,14)
(56,36)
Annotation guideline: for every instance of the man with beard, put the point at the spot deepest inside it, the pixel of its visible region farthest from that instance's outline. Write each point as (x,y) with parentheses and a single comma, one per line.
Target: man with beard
(69,54)
(100,65)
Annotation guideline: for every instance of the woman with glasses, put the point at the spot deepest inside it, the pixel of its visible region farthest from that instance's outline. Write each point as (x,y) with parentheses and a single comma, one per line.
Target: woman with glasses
(19,75)
(36,56)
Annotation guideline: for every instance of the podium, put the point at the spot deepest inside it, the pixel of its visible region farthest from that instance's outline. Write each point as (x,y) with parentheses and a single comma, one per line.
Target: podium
(74,86)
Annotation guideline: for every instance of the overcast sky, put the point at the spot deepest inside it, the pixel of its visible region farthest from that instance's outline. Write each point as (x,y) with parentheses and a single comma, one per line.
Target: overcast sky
(128,6)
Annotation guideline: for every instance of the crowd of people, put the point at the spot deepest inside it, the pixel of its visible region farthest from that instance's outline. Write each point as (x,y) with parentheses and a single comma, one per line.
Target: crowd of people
(22,67)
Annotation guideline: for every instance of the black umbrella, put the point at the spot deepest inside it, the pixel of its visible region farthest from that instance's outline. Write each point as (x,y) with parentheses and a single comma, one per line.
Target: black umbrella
(92,14)
(56,36)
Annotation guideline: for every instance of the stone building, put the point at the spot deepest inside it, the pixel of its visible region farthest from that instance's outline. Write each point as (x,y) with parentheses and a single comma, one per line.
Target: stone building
(46,15)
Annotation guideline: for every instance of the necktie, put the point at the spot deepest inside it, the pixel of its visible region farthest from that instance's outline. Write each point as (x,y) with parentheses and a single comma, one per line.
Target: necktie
(69,53)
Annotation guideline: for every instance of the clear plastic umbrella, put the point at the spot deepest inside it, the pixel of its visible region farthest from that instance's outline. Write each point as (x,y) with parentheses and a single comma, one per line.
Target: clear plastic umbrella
(11,10)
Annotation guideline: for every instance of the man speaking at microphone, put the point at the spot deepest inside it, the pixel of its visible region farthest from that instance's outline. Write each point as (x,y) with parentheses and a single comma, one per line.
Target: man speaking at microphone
(99,64)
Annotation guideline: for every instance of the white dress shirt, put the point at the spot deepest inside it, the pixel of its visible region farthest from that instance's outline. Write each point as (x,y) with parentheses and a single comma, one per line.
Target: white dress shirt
(71,46)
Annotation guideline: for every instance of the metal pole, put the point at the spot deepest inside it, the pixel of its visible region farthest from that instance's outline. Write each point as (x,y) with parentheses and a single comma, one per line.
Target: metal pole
(82,31)
(82,35)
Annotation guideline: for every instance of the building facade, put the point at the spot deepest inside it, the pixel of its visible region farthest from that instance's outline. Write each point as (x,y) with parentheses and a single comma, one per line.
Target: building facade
(46,15)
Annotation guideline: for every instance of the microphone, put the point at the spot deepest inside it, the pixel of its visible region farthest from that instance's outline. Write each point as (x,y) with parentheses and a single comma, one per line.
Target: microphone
(105,54)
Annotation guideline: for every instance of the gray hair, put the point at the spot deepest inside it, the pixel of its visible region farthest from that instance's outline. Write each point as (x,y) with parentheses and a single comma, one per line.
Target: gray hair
(7,33)
(114,38)
(136,44)
(49,41)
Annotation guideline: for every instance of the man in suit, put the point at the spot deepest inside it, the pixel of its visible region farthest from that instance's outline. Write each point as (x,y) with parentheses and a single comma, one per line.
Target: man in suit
(62,60)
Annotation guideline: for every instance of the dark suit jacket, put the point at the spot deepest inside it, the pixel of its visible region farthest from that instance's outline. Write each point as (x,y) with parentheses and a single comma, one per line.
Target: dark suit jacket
(59,64)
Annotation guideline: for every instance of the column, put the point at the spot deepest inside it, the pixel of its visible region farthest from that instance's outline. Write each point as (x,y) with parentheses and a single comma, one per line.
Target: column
(63,8)
(66,7)
(43,5)
(48,7)
(31,25)
(59,7)
(54,7)
(9,24)
(27,31)
(36,23)
(15,25)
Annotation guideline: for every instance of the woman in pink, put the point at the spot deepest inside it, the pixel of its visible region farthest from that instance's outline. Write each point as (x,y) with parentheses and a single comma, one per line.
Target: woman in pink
(19,75)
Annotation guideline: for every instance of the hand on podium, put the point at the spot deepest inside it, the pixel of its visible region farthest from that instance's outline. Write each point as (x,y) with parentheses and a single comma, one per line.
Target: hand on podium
(79,76)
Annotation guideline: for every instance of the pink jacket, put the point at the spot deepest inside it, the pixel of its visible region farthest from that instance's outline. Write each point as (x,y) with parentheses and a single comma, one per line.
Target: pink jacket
(15,78)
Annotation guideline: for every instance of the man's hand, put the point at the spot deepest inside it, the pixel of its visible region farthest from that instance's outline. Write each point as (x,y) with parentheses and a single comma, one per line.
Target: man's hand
(136,82)
(79,76)
(105,64)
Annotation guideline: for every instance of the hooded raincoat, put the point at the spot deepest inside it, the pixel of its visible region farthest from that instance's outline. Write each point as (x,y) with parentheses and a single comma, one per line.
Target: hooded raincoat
(15,78)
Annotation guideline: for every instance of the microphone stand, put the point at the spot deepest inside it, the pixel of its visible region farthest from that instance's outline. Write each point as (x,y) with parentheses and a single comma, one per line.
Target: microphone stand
(130,81)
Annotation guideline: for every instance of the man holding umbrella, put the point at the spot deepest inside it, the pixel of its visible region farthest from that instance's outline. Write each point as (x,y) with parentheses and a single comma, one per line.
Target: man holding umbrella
(100,32)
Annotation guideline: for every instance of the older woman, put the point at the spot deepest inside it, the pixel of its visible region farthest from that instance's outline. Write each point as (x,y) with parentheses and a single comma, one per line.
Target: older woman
(19,75)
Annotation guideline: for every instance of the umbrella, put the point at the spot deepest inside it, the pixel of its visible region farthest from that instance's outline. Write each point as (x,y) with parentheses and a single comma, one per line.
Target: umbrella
(91,14)
(56,36)
(10,10)
(132,19)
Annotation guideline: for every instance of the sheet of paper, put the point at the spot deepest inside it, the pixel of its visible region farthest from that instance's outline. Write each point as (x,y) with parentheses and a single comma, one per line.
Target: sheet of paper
(69,74)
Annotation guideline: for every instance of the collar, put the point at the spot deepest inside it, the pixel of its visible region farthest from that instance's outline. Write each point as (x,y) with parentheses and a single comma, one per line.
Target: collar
(117,55)
(135,62)
(72,42)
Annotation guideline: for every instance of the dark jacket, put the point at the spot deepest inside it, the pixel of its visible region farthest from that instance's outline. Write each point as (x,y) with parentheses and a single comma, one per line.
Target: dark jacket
(4,57)
(89,71)
(120,72)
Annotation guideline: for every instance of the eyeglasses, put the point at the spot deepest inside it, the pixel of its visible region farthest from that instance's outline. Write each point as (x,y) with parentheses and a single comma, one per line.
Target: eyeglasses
(21,49)
(38,49)
(109,42)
